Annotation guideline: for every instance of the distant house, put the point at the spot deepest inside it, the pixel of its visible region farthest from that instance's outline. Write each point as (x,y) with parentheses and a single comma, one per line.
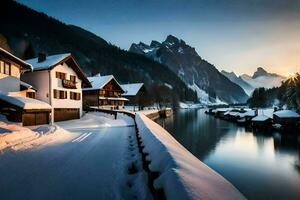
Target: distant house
(286,118)
(17,101)
(261,122)
(136,94)
(58,80)
(105,93)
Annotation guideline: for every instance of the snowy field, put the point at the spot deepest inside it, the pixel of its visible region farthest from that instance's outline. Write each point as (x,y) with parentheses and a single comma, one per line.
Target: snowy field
(96,158)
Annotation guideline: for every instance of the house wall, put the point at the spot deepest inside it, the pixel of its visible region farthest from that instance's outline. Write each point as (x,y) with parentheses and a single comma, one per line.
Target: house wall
(91,98)
(57,84)
(9,83)
(40,81)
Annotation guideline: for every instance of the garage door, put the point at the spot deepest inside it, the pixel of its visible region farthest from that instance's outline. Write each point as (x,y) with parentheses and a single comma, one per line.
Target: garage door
(32,119)
(63,114)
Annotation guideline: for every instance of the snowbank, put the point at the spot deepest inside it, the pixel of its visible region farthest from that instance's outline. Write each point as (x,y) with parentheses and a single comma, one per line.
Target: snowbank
(182,175)
(18,137)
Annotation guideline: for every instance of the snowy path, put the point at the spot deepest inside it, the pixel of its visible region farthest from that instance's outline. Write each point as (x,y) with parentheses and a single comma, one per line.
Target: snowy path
(91,166)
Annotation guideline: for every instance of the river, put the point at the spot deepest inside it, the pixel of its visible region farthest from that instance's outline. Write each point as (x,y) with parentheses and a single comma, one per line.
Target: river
(261,166)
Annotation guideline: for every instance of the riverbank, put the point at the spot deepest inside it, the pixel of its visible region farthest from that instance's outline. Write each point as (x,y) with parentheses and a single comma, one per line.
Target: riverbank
(173,168)
(260,165)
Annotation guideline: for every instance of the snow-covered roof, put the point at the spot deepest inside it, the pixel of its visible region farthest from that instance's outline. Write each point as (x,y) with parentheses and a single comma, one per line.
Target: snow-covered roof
(99,82)
(250,113)
(24,63)
(24,102)
(132,89)
(286,114)
(53,60)
(260,118)
(49,62)
(114,98)
(26,86)
(223,109)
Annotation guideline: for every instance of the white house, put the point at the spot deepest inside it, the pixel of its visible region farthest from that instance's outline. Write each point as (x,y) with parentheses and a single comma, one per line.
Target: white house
(58,80)
(17,101)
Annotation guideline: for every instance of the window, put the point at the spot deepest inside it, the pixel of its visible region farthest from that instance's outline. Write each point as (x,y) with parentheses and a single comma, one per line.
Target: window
(73,78)
(75,96)
(61,75)
(5,67)
(1,67)
(102,92)
(60,94)
(30,95)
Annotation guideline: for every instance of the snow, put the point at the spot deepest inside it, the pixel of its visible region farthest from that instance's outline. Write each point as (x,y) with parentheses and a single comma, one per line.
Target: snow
(148,50)
(131,89)
(168,85)
(114,98)
(98,81)
(286,114)
(18,137)
(186,105)
(201,94)
(48,63)
(26,85)
(260,118)
(182,175)
(250,113)
(20,60)
(96,120)
(24,102)
(180,50)
(94,162)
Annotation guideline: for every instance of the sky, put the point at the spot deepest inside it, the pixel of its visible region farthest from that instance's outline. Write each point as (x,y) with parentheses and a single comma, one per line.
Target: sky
(234,35)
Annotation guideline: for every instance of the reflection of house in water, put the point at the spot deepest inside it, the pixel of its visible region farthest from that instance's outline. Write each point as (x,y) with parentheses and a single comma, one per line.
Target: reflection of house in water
(287,143)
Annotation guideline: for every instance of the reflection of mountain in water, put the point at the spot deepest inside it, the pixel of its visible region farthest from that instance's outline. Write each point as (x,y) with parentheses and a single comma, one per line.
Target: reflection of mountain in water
(201,132)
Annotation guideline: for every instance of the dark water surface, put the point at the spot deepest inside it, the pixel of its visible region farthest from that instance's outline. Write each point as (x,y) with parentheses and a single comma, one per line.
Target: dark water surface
(261,166)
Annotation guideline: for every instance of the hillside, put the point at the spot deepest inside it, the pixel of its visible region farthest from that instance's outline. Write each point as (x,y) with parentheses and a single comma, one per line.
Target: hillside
(196,72)
(239,81)
(28,32)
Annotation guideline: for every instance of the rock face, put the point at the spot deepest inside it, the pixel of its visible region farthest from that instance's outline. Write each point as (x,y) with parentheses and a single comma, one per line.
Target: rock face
(239,81)
(262,78)
(183,60)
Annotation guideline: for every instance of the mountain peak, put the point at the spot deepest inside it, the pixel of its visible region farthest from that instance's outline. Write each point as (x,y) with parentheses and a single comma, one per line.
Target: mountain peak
(172,39)
(155,44)
(260,72)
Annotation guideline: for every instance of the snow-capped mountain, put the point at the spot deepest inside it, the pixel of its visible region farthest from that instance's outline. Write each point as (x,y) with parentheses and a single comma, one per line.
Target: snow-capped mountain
(262,78)
(196,72)
(238,80)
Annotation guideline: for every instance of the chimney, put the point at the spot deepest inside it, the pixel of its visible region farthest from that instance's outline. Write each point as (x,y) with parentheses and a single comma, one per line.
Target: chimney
(42,57)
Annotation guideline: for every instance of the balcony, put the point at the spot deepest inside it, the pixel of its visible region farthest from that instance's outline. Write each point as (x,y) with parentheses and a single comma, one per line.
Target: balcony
(69,84)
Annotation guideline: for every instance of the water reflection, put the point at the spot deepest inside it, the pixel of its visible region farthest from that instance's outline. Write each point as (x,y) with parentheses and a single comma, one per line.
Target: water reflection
(261,166)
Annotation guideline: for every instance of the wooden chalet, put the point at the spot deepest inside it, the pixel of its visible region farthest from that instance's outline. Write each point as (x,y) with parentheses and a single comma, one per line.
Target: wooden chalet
(261,122)
(136,93)
(288,119)
(105,93)
(17,98)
